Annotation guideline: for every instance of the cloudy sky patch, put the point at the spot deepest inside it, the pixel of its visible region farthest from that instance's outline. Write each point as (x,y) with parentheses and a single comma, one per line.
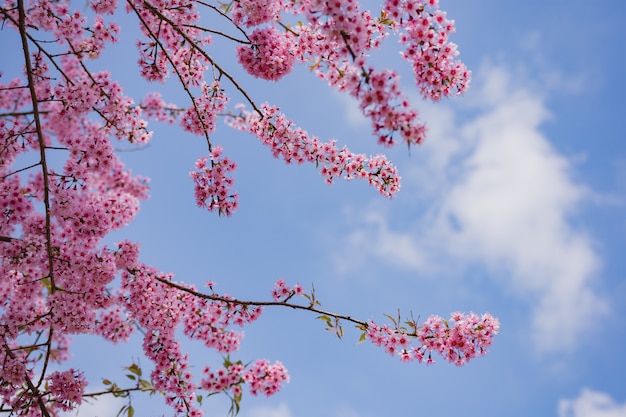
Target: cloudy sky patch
(499,194)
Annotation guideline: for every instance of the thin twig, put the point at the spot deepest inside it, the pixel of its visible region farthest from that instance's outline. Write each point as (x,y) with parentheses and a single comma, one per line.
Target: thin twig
(29,383)
(260,303)
(180,77)
(207,56)
(217,32)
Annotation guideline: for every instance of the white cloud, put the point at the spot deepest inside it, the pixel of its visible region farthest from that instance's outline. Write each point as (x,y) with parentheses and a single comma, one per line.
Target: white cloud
(102,406)
(395,247)
(591,404)
(280,410)
(511,207)
(353,114)
(502,196)
(345,410)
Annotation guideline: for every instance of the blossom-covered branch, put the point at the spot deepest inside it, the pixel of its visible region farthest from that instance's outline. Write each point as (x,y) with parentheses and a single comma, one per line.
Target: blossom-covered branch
(63,188)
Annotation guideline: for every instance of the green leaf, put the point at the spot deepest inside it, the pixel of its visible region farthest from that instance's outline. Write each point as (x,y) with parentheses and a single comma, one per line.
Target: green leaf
(227,362)
(362,338)
(339,331)
(234,407)
(134,368)
(392,319)
(145,385)
(115,390)
(106,381)
(327,320)
(131,411)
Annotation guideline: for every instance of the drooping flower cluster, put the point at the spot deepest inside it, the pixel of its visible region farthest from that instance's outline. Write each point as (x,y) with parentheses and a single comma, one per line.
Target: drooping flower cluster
(433,57)
(200,117)
(293,144)
(262,378)
(283,292)
(255,12)
(213,183)
(204,319)
(270,55)
(172,40)
(154,107)
(336,43)
(266,378)
(67,388)
(228,378)
(458,340)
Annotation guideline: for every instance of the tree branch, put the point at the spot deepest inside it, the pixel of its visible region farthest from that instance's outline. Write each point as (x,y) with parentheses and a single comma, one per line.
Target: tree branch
(204,54)
(285,303)
(31,387)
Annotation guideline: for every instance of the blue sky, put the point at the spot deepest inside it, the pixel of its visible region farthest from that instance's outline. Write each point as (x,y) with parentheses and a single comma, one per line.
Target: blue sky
(515,206)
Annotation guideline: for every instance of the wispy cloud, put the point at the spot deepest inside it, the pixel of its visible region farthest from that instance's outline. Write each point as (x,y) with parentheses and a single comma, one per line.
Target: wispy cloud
(280,410)
(103,406)
(500,195)
(591,404)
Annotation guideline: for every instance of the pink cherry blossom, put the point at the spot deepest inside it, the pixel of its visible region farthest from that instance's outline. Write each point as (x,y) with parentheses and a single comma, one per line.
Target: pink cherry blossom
(458,340)
(266,378)
(295,145)
(62,276)
(256,12)
(269,55)
(67,388)
(213,183)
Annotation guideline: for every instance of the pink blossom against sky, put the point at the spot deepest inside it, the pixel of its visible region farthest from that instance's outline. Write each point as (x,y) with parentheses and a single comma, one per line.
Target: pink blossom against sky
(514,204)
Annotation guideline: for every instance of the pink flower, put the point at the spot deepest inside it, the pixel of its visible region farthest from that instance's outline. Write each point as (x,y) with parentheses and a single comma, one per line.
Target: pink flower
(457,341)
(200,117)
(270,54)
(256,12)
(295,145)
(213,183)
(265,378)
(67,388)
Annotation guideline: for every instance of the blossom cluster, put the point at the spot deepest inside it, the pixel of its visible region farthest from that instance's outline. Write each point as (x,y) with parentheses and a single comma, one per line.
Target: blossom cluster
(67,387)
(200,117)
(56,274)
(154,107)
(14,367)
(207,319)
(336,48)
(69,26)
(228,378)
(270,54)
(255,12)
(171,40)
(294,144)
(262,377)
(213,183)
(266,378)
(458,340)
(335,43)
(283,292)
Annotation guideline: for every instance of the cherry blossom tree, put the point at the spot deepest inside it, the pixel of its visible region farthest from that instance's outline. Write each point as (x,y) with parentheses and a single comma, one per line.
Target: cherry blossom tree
(58,278)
